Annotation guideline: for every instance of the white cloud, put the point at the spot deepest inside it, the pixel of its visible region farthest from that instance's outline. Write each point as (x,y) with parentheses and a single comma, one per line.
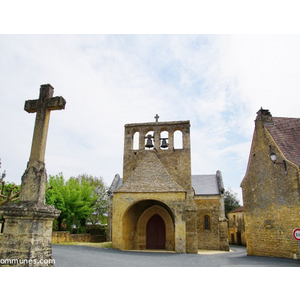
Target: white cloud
(216,82)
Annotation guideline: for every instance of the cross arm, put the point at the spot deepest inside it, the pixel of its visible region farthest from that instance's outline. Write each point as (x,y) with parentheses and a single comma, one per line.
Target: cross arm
(54,103)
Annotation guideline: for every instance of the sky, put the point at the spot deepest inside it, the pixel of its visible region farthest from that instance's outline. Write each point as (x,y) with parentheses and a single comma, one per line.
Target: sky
(127,74)
(218,82)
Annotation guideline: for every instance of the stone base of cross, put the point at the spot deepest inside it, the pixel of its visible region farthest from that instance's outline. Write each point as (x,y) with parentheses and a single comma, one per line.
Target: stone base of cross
(27,236)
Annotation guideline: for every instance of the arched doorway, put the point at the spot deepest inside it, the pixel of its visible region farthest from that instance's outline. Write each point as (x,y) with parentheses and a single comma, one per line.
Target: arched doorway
(156,233)
(155,221)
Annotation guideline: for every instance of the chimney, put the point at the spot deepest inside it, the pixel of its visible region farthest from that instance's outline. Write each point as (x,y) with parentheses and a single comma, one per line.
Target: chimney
(265,116)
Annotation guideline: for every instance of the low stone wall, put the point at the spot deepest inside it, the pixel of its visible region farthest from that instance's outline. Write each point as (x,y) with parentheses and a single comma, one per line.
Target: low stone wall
(65,236)
(60,236)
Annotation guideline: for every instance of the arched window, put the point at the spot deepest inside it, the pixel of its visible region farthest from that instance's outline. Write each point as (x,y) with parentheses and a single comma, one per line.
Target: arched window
(178,142)
(206,222)
(136,140)
(164,140)
(149,140)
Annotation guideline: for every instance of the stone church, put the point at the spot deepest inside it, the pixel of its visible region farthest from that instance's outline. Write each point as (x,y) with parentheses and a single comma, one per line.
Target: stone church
(158,204)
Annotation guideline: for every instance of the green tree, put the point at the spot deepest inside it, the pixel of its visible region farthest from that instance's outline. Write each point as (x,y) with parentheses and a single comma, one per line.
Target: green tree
(9,192)
(55,195)
(76,198)
(231,201)
(100,206)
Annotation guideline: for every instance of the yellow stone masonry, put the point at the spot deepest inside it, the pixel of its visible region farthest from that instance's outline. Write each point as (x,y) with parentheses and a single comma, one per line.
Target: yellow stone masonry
(271,195)
(157,184)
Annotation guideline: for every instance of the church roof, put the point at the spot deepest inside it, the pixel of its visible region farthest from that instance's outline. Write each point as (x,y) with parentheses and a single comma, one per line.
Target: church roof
(286,134)
(150,176)
(202,185)
(205,185)
(239,209)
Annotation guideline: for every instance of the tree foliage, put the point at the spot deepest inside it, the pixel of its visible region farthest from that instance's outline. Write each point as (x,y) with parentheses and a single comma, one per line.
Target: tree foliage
(77,198)
(99,215)
(230,200)
(9,192)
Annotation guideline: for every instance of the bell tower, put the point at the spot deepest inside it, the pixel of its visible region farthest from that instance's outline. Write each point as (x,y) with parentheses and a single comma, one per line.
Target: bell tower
(170,141)
(155,205)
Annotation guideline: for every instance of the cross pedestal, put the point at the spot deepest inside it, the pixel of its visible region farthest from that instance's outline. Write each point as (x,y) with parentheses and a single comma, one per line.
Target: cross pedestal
(27,234)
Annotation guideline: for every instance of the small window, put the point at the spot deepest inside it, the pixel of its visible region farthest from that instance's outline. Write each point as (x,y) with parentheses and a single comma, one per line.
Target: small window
(206,222)
(136,140)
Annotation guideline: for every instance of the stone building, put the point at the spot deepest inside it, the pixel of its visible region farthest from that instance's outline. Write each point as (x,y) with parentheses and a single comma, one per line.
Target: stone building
(236,227)
(158,204)
(271,187)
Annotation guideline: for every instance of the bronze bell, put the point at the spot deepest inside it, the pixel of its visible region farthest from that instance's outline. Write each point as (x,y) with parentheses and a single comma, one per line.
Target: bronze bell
(164,143)
(149,143)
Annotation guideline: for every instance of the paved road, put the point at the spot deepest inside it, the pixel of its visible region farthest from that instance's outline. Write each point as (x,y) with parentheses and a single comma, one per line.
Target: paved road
(83,256)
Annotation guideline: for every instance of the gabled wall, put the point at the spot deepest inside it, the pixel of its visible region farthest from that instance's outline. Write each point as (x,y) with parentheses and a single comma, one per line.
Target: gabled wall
(271,197)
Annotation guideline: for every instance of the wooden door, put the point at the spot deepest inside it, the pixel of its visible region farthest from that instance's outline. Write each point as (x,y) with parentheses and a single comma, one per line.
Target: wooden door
(156,233)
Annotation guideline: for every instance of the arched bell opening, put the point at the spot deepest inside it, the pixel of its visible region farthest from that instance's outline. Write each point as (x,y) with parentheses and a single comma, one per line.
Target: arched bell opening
(149,138)
(178,139)
(148,224)
(164,140)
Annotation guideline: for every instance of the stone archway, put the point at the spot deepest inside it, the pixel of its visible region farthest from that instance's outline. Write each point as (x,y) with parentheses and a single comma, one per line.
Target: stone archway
(141,228)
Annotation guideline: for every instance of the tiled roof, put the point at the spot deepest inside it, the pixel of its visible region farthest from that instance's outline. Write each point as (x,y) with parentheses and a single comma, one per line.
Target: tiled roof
(150,176)
(239,209)
(202,184)
(115,184)
(205,185)
(286,134)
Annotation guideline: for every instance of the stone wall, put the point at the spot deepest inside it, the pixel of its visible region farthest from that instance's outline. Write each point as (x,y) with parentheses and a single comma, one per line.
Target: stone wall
(65,237)
(216,237)
(271,199)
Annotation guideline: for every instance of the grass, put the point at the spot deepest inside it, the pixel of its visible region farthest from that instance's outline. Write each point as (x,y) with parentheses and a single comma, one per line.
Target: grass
(98,245)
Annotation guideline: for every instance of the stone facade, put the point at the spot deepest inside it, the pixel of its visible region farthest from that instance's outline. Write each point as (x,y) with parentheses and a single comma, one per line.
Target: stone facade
(236,227)
(215,235)
(271,191)
(157,185)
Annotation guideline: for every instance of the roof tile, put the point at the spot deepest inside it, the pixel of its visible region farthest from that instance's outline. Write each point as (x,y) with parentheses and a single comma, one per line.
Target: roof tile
(286,134)
(150,176)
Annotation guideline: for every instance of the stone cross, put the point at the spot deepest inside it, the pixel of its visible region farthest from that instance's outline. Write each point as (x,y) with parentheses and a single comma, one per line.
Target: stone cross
(42,108)
(156,117)
(34,179)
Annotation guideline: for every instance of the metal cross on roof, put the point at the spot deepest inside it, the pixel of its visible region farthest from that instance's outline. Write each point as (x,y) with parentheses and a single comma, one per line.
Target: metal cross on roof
(156,117)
